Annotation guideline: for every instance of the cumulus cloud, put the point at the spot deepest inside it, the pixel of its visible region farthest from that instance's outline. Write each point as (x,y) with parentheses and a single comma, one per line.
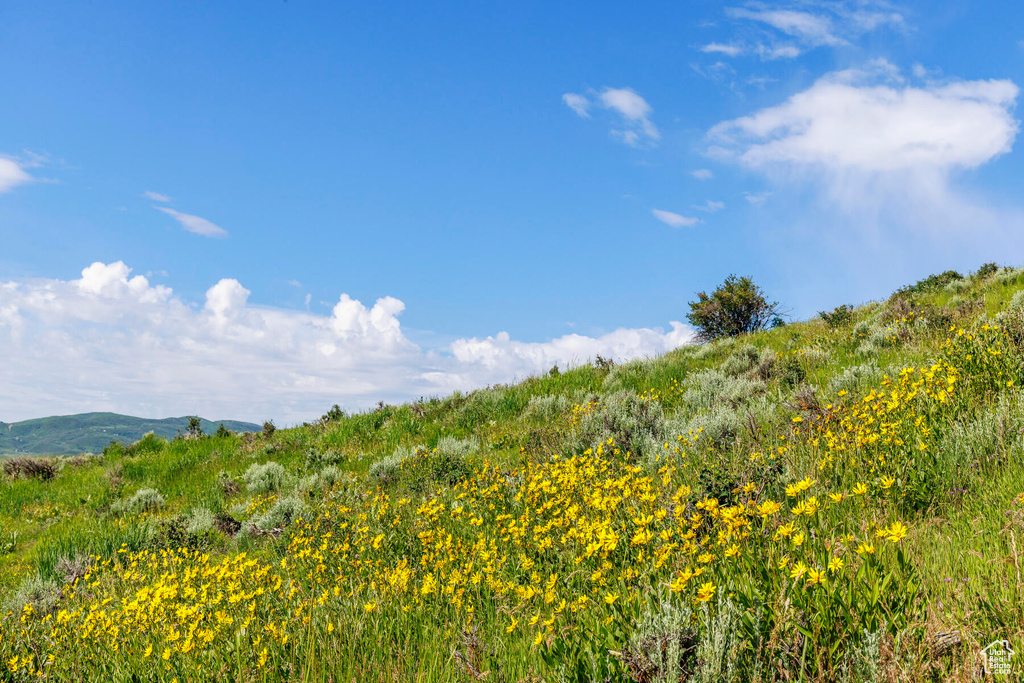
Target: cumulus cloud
(674,220)
(874,141)
(156,196)
(848,121)
(111,340)
(757,198)
(702,174)
(199,226)
(11,175)
(632,111)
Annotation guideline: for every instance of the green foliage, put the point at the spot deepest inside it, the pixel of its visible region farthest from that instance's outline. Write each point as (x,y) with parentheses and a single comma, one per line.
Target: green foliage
(929,284)
(840,316)
(737,306)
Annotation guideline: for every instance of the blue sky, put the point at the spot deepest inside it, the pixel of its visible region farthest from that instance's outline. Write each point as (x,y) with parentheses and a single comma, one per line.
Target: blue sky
(563,173)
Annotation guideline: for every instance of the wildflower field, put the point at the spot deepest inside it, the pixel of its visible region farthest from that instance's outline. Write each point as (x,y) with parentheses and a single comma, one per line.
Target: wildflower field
(839,499)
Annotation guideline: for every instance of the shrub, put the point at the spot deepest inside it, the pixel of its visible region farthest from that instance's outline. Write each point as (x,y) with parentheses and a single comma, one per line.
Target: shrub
(316,459)
(737,306)
(856,378)
(149,443)
(265,478)
(227,484)
(199,521)
(707,389)
(43,595)
(460,448)
(840,316)
(549,407)
(386,470)
(957,286)
(741,360)
(268,429)
(284,512)
(634,423)
(1008,276)
(717,428)
(663,647)
(929,284)
(30,468)
(195,427)
(333,415)
(223,432)
(144,500)
(324,479)
(987,270)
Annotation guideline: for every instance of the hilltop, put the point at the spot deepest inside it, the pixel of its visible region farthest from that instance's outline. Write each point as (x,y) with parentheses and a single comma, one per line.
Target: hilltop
(92,432)
(838,499)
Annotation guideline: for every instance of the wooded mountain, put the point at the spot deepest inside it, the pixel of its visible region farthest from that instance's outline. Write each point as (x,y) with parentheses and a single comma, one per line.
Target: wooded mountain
(91,432)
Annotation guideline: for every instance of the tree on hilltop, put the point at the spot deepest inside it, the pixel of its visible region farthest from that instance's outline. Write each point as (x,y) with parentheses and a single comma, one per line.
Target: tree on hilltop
(737,306)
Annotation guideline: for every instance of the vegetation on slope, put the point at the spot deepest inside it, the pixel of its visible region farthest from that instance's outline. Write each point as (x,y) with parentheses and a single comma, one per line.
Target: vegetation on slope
(828,500)
(92,432)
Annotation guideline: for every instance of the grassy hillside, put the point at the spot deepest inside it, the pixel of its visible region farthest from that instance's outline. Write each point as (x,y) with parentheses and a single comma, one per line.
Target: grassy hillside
(92,432)
(837,500)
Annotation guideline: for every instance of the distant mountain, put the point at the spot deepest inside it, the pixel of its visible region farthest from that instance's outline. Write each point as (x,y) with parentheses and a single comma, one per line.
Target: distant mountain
(91,432)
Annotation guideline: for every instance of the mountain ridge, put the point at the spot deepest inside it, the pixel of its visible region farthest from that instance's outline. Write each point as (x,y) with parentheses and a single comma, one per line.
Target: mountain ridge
(92,432)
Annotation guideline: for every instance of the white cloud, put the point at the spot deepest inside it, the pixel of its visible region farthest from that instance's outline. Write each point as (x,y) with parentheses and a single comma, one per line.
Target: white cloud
(199,226)
(814,29)
(156,196)
(729,49)
(633,111)
(674,220)
(113,341)
(848,121)
(788,29)
(578,103)
(778,52)
(702,174)
(710,206)
(757,198)
(11,175)
(879,148)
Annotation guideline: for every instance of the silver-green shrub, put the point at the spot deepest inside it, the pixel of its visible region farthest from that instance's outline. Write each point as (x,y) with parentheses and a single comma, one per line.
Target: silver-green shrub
(741,361)
(324,479)
(265,478)
(662,648)
(200,520)
(856,378)
(706,389)
(634,423)
(43,595)
(284,512)
(459,448)
(144,500)
(386,469)
(549,407)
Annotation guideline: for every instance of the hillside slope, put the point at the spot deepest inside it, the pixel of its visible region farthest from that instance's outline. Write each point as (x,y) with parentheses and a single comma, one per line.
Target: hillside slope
(837,500)
(92,432)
